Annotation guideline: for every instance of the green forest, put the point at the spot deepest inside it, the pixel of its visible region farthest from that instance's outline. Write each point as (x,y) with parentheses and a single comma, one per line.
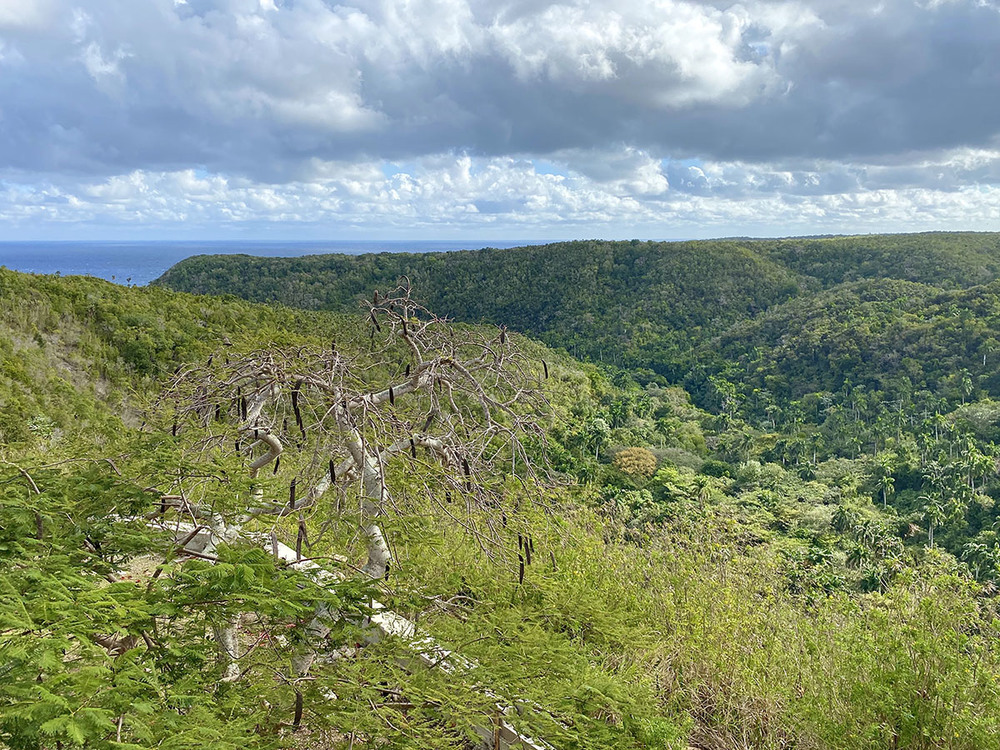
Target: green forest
(714,494)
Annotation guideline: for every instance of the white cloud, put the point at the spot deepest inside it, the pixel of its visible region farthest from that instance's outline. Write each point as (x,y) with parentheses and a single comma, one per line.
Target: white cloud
(762,112)
(102,68)
(446,193)
(24,13)
(668,53)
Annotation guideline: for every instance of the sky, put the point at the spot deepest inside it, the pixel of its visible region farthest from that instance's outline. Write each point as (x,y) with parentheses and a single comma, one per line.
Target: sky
(496,119)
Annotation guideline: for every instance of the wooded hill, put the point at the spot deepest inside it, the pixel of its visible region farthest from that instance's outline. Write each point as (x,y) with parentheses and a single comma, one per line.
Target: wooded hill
(631,304)
(806,562)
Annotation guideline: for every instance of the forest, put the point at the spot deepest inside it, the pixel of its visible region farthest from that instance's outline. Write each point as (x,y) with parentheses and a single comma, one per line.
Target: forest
(721,494)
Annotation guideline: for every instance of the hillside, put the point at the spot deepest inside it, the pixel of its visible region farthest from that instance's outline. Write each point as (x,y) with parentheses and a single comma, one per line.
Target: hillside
(946,259)
(614,302)
(605,567)
(639,305)
(802,350)
(889,336)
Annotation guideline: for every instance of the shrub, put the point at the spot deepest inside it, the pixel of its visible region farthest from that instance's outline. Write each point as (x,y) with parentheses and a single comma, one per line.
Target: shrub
(636,462)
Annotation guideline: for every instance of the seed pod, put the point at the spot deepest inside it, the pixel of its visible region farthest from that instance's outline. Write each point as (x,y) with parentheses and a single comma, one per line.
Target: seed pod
(295,407)
(284,426)
(210,358)
(173,430)
(300,538)
(503,336)
(243,408)
(375,322)
(333,472)
(386,576)
(256,433)
(527,550)
(392,396)
(447,497)
(218,412)
(238,447)
(545,367)
(277,463)
(291,495)
(520,542)
(406,374)
(413,449)
(520,572)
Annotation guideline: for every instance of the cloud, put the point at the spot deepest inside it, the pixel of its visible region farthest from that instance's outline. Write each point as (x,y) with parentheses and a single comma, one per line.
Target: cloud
(644,106)
(288,80)
(24,13)
(492,196)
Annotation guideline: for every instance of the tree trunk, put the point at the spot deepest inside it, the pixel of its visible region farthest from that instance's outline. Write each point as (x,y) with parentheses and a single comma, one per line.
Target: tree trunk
(374,496)
(372,507)
(228,642)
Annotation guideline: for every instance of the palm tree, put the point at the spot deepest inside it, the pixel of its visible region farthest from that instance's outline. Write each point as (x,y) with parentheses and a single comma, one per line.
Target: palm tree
(886,484)
(934,512)
(703,488)
(843,519)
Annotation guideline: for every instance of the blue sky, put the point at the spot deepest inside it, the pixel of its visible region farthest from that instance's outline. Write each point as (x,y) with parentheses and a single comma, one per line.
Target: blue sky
(499,119)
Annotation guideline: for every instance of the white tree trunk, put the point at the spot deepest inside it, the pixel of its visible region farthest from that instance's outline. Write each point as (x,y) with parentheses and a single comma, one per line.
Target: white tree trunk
(373,500)
(228,642)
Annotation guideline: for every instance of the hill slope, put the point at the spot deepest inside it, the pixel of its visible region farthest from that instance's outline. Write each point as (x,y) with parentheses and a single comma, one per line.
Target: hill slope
(638,624)
(610,301)
(632,304)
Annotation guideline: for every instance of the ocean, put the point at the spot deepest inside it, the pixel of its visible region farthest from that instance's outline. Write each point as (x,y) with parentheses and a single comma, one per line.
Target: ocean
(138,263)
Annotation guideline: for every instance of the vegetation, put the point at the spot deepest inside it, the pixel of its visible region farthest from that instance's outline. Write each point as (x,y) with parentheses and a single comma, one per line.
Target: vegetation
(637,305)
(636,462)
(771,522)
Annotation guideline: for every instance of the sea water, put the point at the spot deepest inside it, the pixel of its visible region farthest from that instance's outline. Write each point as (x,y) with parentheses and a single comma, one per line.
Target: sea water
(140,262)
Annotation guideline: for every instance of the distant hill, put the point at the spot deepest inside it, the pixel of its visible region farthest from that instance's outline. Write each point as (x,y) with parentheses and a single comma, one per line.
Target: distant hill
(945,259)
(902,340)
(641,305)
(621,302)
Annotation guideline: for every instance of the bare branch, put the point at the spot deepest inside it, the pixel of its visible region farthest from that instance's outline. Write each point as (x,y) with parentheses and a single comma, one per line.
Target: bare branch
(334,419)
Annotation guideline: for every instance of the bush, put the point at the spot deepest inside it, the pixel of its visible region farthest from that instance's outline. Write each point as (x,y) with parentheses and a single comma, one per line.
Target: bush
(716,468)
(636,462)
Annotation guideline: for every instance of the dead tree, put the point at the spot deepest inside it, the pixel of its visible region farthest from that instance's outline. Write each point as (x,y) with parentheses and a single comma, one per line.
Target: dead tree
(316,427)
(410,387)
